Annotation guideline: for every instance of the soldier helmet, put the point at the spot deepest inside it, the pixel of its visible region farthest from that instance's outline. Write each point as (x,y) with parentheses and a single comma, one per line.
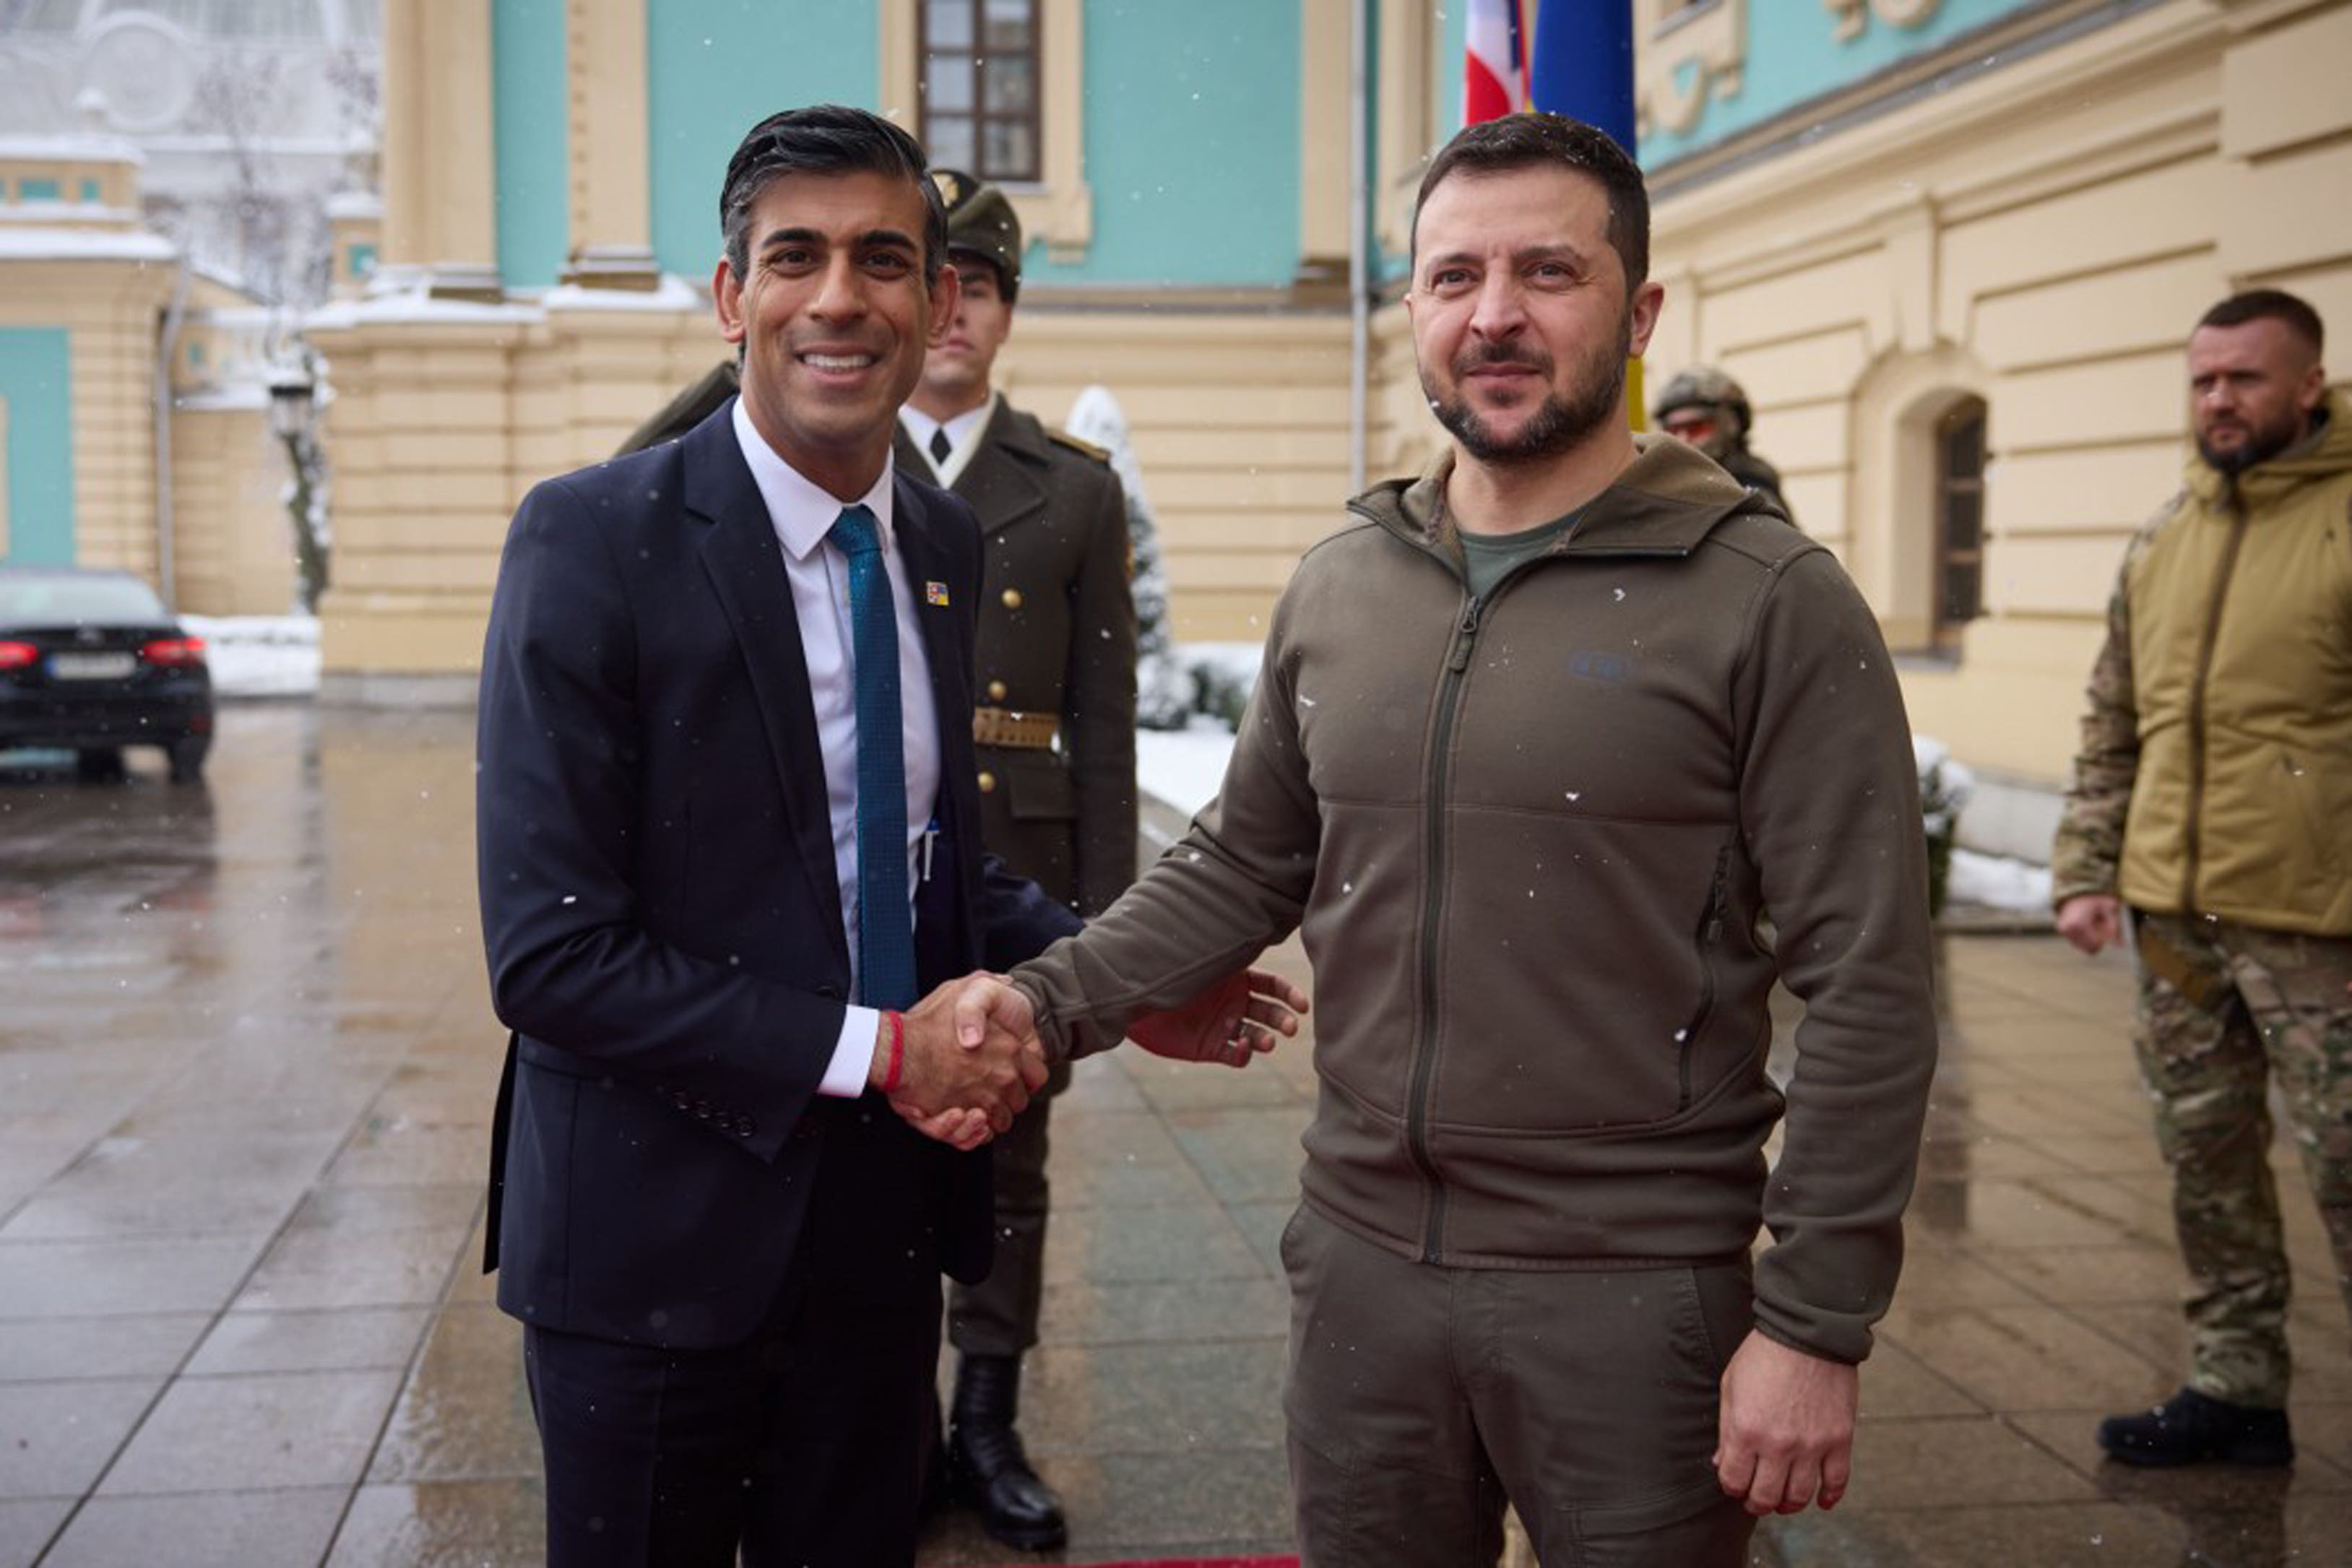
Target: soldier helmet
(981,222)
(1706,387)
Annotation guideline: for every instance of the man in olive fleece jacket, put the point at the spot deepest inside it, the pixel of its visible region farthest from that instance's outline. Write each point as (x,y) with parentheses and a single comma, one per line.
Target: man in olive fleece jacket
(1540,736)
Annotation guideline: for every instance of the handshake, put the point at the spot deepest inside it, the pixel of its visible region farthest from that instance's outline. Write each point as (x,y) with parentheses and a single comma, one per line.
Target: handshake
(965,1060)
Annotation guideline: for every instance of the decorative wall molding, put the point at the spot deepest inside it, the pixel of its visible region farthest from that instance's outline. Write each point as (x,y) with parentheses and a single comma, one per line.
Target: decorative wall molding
(1851,17)
(1690,54)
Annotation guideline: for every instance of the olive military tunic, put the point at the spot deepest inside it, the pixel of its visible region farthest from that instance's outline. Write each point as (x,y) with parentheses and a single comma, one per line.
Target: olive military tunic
(1056,659)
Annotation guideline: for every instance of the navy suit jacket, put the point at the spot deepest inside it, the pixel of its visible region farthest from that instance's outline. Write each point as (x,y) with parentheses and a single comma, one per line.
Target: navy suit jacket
(660,899)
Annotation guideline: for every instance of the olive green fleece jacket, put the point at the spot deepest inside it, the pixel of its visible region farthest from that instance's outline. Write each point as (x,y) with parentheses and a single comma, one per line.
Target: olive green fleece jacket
(1527,840)
(2215,773)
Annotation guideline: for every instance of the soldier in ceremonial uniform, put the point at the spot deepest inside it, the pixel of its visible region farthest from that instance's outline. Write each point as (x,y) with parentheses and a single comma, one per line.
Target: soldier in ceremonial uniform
(1055,737)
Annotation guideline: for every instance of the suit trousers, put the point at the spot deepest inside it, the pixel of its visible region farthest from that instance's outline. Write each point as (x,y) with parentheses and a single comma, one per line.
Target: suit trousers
(1421,1398)
(805,1445)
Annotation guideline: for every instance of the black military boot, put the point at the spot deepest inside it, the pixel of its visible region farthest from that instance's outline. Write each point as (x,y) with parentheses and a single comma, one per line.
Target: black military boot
(985,1458)
(2191,1426)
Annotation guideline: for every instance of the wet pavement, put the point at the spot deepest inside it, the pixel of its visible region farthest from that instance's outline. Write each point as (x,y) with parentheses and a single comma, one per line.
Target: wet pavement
(246,1065)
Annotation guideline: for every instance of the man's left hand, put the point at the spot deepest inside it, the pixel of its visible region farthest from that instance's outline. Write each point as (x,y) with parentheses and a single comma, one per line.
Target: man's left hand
(1785,1434)
(1230,1020)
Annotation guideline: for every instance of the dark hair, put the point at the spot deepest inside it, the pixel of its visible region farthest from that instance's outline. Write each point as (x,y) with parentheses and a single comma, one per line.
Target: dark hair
(825,139)
(1546,141)
(2270,305)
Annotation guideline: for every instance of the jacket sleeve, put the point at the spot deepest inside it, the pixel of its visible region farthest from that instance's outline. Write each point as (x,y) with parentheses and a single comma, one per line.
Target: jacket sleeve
(1233,885)
(1829,803)
(1017,919)
(1098,686)
(2088,850)
(559,805)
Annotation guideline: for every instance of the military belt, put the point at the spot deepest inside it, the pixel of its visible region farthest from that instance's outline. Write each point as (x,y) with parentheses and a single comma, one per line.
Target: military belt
(1024,731)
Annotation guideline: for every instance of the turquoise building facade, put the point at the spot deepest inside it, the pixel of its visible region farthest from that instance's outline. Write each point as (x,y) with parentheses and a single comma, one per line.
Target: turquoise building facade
(37,398)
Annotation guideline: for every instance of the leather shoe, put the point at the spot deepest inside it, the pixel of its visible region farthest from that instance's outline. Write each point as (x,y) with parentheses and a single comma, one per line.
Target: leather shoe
(2191,1427)
(989,1467)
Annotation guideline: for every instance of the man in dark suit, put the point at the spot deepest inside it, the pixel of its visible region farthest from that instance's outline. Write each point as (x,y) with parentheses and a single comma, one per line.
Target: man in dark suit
(728,831)
(1055,732)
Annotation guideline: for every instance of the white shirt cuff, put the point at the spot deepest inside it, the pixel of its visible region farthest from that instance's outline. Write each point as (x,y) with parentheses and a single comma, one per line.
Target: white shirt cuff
(853,1054)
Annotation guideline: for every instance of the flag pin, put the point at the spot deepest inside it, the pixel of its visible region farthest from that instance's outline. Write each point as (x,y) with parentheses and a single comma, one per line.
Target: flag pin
(935,594)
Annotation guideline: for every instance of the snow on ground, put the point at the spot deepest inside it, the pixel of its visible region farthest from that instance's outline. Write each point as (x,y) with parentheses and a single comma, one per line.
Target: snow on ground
(1996,882)
(259,655)
(1183,767)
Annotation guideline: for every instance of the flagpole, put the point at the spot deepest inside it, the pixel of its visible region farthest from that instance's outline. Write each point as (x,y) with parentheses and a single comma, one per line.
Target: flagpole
(1360,223)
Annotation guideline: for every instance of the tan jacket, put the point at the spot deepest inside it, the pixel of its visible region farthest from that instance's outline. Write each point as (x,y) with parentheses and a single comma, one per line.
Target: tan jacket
(1527,840)
(1057,641)
(2215,775)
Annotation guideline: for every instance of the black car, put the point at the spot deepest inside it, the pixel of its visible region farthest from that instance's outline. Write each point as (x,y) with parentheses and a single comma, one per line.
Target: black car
(92,662)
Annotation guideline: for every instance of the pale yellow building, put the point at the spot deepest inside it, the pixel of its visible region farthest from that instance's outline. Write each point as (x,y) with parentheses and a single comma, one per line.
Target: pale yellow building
(1951,247)
(2016,235)
(134,423)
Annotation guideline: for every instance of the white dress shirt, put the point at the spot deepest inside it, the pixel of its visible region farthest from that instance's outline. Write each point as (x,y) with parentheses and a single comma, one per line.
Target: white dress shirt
(963,435)
(803,513)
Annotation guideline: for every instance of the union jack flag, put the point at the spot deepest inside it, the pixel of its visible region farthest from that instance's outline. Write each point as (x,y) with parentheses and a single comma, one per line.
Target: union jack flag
(1496,79)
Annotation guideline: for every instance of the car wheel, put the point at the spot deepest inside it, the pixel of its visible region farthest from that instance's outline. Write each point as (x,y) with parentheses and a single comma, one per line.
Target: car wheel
(188,759)
(98,764)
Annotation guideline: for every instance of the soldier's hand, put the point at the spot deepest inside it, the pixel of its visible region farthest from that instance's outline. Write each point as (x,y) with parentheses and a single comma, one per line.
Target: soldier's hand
(2091,921)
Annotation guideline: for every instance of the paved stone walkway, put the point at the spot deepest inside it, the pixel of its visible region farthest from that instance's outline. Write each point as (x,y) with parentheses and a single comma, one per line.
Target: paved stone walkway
(246,1067)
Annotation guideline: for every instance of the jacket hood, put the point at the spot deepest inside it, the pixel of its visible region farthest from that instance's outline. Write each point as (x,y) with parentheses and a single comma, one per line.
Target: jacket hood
(2318,456)
(1665,502)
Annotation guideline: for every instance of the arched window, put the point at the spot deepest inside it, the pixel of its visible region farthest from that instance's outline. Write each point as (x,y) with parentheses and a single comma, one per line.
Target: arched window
(1958,591)
(981,87)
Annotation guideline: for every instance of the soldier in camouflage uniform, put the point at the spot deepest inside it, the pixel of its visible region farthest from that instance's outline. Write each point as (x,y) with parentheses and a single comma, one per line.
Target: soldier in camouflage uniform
(1703,407)
(2209,820)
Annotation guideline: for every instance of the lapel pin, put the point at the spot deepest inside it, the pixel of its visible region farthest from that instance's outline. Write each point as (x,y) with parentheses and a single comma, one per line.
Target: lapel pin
(935,594)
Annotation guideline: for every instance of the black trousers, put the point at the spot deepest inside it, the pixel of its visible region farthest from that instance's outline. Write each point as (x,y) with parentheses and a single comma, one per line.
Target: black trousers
(805,1444)
(998,1316)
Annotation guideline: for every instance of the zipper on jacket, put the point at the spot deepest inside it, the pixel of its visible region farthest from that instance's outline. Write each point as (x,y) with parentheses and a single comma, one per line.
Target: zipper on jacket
(1703,940)
(2192,828)
(1425,1061)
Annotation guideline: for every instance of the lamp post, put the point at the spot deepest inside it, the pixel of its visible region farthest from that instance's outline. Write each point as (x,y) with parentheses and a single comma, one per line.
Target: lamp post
(292,415)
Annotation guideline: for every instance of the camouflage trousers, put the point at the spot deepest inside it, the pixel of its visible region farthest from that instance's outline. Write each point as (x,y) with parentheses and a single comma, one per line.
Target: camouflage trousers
(2224,1010)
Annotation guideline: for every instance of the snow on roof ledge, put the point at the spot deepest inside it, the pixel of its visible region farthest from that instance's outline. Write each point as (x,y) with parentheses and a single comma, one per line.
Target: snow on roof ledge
(355,204)
(674,295)
(76,148)
(416,307)
(82,244)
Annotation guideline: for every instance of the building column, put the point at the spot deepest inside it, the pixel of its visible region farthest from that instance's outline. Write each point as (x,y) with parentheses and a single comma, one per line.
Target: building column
(440,186)
(612,193)
(1324,27)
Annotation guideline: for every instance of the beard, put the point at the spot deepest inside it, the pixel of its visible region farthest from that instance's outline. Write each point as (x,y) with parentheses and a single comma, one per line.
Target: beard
(2262,442)
(1560,423)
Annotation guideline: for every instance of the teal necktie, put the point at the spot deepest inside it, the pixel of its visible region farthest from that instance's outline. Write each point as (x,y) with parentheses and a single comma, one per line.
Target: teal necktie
(886,935)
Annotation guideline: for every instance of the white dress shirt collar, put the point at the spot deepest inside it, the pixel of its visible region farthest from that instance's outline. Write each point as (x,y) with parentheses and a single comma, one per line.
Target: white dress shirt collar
(804,512)
(963,435)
